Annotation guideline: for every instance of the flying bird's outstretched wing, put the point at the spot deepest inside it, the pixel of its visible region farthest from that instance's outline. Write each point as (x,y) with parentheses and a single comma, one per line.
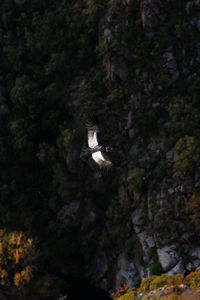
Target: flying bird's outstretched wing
(95,152)
(94,132)
(102,160)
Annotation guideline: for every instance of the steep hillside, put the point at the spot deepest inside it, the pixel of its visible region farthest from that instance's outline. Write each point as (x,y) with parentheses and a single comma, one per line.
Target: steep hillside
(164,287)
(135,65)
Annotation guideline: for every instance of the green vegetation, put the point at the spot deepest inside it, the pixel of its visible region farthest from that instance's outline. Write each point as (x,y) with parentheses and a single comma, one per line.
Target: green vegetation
(95,8)
(139,182)
(133,250)
(57,66)
(188,157)
(156,268)
(171,287)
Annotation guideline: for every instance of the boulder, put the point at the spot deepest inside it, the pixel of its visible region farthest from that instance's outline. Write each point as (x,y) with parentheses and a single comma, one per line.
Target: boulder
(177,269)
(146,240)
(193,265)
(168,257)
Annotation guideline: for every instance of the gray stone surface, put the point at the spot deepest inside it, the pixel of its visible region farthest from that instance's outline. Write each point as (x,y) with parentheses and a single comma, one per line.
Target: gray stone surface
(195,252)
(192,266)
(177,269)
(126,272)
(150,241)
(146,240)
(136,216)
(168,257)
(108,37)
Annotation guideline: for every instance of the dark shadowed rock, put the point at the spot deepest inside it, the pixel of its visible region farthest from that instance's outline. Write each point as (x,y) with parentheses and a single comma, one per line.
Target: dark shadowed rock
(151,14)
(177,269)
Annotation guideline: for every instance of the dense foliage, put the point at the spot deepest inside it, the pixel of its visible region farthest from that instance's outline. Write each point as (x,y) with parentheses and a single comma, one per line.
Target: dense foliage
(44,46)
(61,61)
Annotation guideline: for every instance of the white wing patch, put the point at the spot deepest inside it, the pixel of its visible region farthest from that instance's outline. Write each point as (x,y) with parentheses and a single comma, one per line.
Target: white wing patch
(98,157)
(100,160)
(92,138)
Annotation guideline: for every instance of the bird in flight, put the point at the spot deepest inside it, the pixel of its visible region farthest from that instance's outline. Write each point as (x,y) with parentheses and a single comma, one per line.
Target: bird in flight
(95,151)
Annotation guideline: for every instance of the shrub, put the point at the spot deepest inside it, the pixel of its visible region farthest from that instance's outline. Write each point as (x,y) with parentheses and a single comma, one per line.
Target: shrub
(153,254)
(152,283)
(156,268)
(175,279)
(25,276)
(193,279)
(129,295)
(139,182)
(159,172)
(17,253)
(172,287)
(158,282)
(120,291)
(145,285)
(172,297)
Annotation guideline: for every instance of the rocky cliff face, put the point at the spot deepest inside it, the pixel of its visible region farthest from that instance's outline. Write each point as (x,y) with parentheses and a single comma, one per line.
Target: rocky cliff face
(134,64)
(150,54)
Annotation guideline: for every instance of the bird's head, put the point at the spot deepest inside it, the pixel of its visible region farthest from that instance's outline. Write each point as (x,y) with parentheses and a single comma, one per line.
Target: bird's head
(108,149)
